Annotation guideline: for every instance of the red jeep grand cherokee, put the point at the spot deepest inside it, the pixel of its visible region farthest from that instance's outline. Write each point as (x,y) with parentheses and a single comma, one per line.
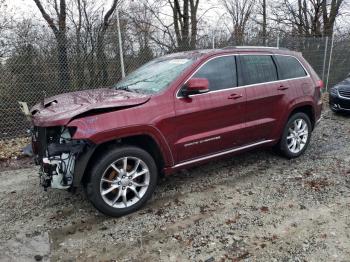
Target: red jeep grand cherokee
(174,112)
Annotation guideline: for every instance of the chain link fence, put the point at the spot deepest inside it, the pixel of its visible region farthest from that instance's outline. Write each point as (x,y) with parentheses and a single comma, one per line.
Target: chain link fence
(30,74)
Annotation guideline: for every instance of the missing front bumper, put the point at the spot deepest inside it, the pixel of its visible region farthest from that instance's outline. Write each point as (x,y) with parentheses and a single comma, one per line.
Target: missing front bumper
(58,166)
(57,172)
(62,160)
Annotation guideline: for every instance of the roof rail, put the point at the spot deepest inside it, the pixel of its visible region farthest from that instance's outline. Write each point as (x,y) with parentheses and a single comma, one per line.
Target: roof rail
(256,47)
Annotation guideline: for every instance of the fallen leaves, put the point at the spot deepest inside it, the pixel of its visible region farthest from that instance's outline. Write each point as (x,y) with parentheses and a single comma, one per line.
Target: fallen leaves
(233,220)
(12,148)
(264,209)
(317,184)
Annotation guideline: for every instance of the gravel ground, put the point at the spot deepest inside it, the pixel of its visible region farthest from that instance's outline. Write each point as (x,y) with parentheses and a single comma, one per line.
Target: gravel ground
(256,206)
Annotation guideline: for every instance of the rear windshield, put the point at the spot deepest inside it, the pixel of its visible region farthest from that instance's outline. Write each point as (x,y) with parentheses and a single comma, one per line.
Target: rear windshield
(154,76)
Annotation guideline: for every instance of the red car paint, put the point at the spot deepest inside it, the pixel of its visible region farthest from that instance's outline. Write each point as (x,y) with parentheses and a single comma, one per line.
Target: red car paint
(60,109)
(188,130)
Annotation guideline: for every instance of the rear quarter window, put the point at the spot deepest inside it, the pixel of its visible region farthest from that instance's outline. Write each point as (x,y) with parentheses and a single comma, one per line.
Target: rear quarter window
(289,67)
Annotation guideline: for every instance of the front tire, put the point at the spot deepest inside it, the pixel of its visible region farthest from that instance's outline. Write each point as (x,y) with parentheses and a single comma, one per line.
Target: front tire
(296,136)
(122,181)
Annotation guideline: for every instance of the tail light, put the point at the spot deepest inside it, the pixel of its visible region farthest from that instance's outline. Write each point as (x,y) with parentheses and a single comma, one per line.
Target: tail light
(320,84)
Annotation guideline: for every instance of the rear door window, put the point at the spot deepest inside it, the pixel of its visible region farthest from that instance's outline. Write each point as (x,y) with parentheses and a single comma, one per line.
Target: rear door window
(257,69)
(289,67)
(220,72)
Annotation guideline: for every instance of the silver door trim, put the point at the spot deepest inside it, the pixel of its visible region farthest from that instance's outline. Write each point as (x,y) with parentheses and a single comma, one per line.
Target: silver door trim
(222,153)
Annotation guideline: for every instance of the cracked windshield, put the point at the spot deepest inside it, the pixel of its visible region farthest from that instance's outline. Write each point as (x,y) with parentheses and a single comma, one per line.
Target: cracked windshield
(154,76)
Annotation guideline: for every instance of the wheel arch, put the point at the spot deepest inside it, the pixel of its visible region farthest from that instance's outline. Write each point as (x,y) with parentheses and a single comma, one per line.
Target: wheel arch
(146,141)
(306,109)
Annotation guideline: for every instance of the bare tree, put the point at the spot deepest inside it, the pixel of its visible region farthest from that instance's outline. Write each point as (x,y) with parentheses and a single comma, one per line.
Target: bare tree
(91,20)
(163,36)
(329,14)
(142,29)
(5,26)
(261,20)
(264,20)
(101,56)
(240,12)
(76,19)
(309,17)
(302,16)
(185,22)
(59,29)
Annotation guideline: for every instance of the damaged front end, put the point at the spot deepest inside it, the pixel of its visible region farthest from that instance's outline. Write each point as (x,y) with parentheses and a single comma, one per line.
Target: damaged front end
(57,154)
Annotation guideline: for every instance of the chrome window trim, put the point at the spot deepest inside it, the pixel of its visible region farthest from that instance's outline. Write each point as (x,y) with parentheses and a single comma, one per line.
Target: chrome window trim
(244,86)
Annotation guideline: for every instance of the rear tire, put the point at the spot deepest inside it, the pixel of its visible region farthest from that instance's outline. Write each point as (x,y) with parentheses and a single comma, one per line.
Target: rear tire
(122,180)
(296,136)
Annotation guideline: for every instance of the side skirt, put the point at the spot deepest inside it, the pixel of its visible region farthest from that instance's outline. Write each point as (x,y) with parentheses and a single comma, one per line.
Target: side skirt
(222,153)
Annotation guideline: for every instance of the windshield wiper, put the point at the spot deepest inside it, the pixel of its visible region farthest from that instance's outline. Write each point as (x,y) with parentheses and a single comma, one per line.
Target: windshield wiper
(134,83)
(125,88)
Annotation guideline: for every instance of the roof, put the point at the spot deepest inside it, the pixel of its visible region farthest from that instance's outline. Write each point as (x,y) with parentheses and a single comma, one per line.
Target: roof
(230,49)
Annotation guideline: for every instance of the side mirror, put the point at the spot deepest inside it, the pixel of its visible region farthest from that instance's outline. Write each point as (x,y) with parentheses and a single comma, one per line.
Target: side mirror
(195,86)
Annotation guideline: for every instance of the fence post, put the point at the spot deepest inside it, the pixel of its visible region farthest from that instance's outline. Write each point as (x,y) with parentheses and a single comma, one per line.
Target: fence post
(278,40)
(330,61)
(213,41)
(120,45)
(325,58)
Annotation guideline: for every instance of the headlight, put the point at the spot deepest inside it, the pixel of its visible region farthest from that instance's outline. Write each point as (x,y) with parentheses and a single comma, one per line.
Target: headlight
(334,91)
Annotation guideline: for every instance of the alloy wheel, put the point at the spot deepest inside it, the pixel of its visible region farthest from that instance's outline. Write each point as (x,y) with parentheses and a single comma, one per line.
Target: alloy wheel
(124,182)
(298,134)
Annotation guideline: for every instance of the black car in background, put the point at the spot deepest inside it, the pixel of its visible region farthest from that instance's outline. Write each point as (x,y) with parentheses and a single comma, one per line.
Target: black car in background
(339,96)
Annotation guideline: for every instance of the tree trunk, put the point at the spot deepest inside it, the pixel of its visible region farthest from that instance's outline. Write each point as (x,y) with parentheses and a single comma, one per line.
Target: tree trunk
(102,74)
(102,65)
(194,22)
(64,76)
(264,23)
(185,27)
(329,19)
(79,67)
(185,23)
(61,39)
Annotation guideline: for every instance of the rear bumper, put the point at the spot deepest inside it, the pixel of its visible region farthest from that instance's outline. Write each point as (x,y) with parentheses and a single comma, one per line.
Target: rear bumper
(318,113)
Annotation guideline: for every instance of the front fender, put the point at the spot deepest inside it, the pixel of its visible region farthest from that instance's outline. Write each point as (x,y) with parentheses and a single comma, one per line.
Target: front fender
(116,134)
(130,131)
(91,129)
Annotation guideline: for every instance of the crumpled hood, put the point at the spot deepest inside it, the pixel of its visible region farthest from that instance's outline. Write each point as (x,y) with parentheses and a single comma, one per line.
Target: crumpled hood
(59,110)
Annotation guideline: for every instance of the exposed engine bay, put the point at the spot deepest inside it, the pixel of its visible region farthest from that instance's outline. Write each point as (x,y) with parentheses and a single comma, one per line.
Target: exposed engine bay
(56,153)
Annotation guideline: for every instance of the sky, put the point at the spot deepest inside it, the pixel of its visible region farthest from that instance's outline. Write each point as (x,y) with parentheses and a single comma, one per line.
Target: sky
(213,12)
(28,9)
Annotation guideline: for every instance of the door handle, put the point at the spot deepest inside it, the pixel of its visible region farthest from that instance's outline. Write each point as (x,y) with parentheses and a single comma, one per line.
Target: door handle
(235,96)
(282,87)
